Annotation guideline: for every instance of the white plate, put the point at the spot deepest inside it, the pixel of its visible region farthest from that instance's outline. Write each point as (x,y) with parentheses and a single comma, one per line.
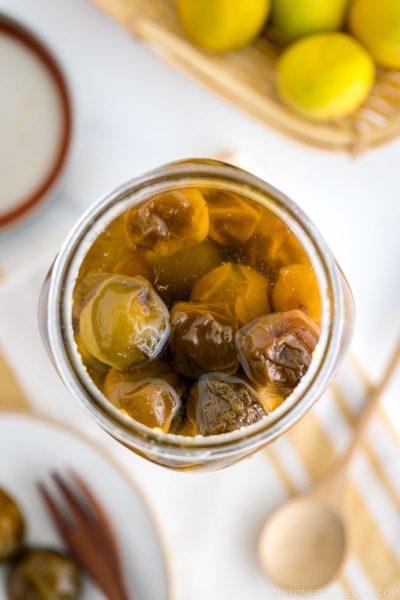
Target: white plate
(30,449)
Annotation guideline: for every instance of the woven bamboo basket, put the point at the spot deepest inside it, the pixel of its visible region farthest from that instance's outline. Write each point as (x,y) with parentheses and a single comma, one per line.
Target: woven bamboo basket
(247,77)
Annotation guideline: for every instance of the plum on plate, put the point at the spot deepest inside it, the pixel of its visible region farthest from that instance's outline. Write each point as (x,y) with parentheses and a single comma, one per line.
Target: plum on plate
(12,526)
(43,574)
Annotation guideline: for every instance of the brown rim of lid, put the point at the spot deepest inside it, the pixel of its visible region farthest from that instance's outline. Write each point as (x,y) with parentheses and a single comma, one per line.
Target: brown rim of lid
(19,32)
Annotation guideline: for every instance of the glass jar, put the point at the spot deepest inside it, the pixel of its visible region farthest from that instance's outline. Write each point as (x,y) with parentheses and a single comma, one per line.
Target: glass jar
(175,451)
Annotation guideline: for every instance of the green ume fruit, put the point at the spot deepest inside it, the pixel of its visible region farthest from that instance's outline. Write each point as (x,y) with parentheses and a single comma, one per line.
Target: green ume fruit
(125,323)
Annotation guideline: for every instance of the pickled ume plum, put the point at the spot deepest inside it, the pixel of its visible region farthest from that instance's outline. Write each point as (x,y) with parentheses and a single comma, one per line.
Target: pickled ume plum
(272,247)
(276,349)
(124,323)
(203,339)
(191,263)
(222,404)
(297,287)
(151,395)
(242,289)
(196,312)
(169,222)
(232,218)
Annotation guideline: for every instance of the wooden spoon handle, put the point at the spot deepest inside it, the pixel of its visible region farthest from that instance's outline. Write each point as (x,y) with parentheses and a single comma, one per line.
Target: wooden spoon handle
(372,403)
(331,488)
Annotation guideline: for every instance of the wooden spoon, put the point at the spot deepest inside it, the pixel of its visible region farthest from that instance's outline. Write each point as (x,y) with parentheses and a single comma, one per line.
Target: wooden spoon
(304,543)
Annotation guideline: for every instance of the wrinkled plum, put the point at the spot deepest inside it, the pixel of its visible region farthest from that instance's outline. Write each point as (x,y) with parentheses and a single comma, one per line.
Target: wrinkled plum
(221,404)
(125,323)
(243,289)
(12,526)
(169,222)
(203,338)
(42,574)
(297,287)
(174,276)
(232,218)
(273,246)
(277,348)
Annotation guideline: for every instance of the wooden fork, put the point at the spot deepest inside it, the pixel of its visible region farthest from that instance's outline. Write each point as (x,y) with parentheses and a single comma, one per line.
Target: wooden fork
(87,532)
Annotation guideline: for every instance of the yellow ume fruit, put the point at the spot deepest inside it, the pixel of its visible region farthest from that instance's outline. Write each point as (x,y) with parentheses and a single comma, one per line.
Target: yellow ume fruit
(325,76)
(222,25)
(296,18)
(376,23)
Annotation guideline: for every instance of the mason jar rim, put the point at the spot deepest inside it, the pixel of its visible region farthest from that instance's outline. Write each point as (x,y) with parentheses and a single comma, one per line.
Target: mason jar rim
(64,273)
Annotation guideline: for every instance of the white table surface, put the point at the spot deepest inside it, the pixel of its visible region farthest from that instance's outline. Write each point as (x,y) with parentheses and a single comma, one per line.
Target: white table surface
(134,113)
